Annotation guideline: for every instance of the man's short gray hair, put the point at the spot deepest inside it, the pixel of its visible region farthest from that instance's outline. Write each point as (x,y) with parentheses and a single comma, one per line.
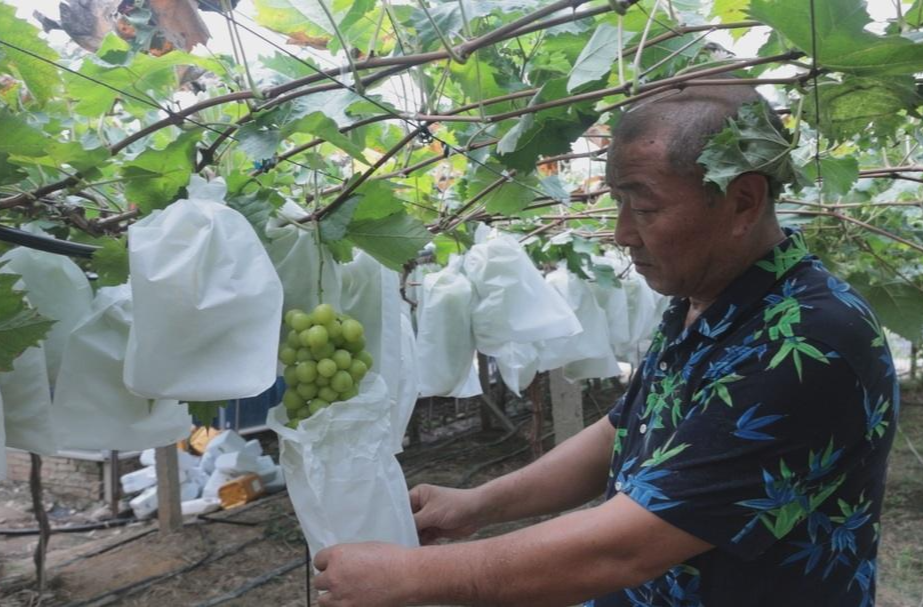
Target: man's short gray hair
(687,118)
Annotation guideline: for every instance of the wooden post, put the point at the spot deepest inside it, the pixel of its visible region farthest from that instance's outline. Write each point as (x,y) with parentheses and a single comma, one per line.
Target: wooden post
(169,510)
(566,406)
(38,508)
(111,482)
(484,376)
(488,406)
(536,395)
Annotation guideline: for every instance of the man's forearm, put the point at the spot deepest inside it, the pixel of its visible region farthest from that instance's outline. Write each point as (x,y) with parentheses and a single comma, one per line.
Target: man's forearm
(568,476)
(558,562)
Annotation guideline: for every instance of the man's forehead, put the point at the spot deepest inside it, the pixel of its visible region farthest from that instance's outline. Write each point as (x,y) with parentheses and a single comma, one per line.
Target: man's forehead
(645,155)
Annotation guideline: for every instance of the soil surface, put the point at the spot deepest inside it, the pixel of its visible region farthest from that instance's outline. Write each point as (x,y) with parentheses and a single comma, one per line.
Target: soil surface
(255,555)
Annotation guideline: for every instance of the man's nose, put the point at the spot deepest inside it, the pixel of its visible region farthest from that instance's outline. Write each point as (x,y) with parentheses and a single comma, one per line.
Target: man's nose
(625,233)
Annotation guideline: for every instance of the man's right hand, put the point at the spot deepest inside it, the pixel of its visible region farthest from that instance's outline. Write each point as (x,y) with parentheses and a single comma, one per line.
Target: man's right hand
(445,512)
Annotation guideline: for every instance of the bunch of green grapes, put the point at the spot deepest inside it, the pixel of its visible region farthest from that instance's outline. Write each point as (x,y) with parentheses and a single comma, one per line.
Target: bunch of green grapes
(324,357)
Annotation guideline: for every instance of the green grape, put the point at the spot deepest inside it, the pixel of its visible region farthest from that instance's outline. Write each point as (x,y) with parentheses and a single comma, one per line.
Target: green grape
(315,337)
(341,382)
(322,381)
(306,371)
(317,404)
(365,357)
(352,330)
(328,394)
(335,331)
(303,354)
(292,339)
(292,400)
(301,322)
(326,368)
(289,375)
(353,393)
(288,356)
(342,358)
(325,351)
(307,391)
(357,370)
(324,314)
(354,347)
(292,423)
(303,412)
(289,314)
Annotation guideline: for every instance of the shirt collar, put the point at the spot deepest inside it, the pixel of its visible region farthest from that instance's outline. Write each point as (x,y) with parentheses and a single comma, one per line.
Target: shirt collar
(744,291)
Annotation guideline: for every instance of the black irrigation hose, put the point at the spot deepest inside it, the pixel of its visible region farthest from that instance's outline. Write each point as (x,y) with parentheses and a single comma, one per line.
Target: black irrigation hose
(255,582)
(118,522)
(45,243)
(464,451)
(129,589)
(467,476)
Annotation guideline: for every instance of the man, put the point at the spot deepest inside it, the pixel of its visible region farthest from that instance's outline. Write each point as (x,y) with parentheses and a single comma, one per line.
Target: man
(745,464)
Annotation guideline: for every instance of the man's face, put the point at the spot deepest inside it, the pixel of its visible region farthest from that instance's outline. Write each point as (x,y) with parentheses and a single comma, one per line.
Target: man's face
(677,237)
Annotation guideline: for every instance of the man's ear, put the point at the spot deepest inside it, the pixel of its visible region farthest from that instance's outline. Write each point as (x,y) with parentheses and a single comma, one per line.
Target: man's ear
(749,195)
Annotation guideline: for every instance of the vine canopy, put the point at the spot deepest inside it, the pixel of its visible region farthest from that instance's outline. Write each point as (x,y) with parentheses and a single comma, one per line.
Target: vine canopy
(396,124)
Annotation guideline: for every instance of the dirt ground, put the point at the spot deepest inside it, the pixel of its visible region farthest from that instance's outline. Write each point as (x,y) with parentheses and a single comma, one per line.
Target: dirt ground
(255,555)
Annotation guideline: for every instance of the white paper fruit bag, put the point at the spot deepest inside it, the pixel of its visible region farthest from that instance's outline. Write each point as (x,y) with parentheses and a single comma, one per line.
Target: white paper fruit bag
(207,303)
(371,293)
(445,339)
(93,409)
(588,353)
(408,387)
(27,404)
(303,264)
(341,473)
(58,289)
(518,364)
(513,303)
(2,443)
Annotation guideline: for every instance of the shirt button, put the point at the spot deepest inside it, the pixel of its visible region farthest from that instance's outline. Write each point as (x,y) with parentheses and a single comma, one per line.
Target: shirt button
(618,485)
(663,366)
(643,428)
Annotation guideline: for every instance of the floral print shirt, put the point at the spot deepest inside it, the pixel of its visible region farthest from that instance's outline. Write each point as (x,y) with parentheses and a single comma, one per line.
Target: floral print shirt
(764,429)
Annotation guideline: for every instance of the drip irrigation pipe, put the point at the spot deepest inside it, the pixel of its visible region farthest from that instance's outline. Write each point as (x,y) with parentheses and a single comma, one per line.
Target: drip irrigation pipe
(72,529)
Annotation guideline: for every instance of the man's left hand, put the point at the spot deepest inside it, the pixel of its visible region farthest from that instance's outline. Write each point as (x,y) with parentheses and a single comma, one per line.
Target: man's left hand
(370,574)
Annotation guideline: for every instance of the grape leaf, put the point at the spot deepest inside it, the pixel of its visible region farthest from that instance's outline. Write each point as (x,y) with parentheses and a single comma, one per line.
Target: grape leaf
(749,143)
(547,132)
(860,105)
(334,225)
(155,177)
(597,57)
(204,413)
(378,200)
(555,188)
(40,77)
(393,240)
(21,326)
(257,207)
(19,137)
(898,305)
(110,262)
(147,78)
(730,11)
(914,14)
(509,198)
(842,42)
(839,174)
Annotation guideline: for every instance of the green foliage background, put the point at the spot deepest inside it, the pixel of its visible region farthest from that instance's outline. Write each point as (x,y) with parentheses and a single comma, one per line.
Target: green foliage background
(505,87)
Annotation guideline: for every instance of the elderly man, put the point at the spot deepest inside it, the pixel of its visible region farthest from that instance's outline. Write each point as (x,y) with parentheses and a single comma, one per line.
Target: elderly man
(745,464)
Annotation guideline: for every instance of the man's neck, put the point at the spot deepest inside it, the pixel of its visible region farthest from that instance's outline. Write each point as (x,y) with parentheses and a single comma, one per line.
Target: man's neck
(698,304)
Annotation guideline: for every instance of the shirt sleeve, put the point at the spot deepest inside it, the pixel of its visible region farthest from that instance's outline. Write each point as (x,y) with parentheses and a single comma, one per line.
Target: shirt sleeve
(757,450)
